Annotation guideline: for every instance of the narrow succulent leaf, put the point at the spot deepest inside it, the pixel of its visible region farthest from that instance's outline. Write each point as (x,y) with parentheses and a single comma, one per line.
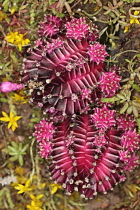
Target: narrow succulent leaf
(129,110)
(14,158)
(12,149)
(124,108)
(120,96)
(110,100)
(14,145)
(135,111)
(138,123)
(20,146)
(20,159)
(136,87)
(24,148)
(13,153)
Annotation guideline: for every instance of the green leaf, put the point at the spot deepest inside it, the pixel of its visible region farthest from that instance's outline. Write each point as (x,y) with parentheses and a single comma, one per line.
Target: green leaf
(14,145)
(20,159)
(6,5)
(3,100)
(136,87)
(138,123)
(127,60)
(135,111)
(138,55)
(124,108)
(110,100)
(14,158)
(120,96)
(58,14)
(20,146)
(12,149)
(35,119)
(13,153)
(24,148)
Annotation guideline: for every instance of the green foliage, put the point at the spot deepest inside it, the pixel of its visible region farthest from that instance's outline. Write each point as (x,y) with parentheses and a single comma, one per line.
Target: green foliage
(10,5)
(109,100)
(51,2)
(57,13)
(138,123)
(17,151)
(136,87)
(5,195)
(132,1)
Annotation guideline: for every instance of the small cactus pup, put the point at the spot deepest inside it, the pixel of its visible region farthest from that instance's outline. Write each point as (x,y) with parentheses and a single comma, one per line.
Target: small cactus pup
(89,146)
(7,87)
(63,68)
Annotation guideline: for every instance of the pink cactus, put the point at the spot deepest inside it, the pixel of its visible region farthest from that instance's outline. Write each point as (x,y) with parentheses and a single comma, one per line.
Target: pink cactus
(126,122)
(124,156)
(77,28)
(89,148)
(85,159)
(97,52)
(57,43)
(103,118)
(109,83)
(44,131)
(7,87)
(130,140)
(50,26)
(133,162)
(45,149)
(100,139)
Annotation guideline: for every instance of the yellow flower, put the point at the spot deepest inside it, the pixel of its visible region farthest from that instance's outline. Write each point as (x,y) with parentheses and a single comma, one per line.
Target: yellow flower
(33,206)
(136,12)
(137,98)
(17,39)
(37,199)
(13,9)
(126,29)
(134,20)
(54,188)
(20,41)
(11,119)
(24,188)
(35,203)
(11,37)
(19,170)
(19,98)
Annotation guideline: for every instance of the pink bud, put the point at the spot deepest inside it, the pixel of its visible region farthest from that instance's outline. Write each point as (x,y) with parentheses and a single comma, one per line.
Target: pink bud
(7,87)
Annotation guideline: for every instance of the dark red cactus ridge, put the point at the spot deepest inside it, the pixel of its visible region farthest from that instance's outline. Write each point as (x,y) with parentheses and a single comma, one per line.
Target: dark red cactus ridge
(89,146)
(85,158)
(58,71)
(81,165)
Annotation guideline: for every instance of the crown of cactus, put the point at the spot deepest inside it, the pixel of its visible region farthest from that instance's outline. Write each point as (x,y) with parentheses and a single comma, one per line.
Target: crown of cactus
(59,69)
(89,148)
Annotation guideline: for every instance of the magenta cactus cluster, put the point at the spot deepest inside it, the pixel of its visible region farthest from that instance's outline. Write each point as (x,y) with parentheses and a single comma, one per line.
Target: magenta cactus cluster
(89,146)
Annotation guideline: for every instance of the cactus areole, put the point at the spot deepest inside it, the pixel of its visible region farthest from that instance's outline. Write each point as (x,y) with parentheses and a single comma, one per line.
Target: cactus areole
(88,147)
